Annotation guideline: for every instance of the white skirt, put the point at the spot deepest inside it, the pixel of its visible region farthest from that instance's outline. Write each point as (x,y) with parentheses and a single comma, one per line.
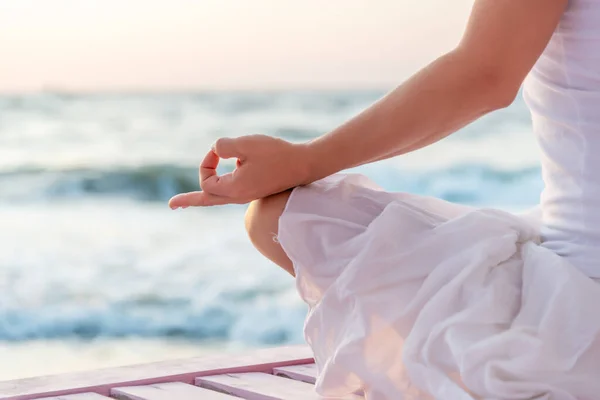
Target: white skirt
(412,297)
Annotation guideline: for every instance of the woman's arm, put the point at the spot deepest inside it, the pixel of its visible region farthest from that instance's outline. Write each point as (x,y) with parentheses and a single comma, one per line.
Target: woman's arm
(502,41)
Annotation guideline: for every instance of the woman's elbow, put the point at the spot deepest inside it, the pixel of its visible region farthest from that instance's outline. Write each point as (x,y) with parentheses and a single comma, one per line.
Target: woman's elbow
(501,89)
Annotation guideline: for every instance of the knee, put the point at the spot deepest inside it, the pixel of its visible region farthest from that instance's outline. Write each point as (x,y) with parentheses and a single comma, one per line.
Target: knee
(254,219)
(262,217)
(262,224)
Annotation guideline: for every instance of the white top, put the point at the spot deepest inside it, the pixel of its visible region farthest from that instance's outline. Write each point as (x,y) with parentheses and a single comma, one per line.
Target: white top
(563,93)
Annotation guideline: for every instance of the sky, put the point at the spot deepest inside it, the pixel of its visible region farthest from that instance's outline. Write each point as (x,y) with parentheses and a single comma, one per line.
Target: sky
(106,45)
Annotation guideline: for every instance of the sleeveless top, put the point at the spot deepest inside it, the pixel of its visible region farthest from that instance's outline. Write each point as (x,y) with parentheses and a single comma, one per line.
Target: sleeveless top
(563,93)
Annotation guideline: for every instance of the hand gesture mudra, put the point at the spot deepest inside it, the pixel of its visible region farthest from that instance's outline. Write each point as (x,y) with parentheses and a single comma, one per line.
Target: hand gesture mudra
(265,165)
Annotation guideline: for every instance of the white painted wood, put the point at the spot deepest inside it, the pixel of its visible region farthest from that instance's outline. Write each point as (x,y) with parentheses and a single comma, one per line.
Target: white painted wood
(81,396)
(305,372)
(260,386)
(101,381)
(168,391)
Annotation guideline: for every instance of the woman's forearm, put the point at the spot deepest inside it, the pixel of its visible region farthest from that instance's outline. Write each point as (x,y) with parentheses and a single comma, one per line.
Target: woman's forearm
(440,99)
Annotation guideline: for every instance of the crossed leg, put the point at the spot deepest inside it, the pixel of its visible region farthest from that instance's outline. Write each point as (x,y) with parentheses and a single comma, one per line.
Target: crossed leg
(262,224)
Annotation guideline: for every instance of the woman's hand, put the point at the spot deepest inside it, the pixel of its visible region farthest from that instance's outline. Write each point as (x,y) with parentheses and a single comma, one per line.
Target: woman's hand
(265,166)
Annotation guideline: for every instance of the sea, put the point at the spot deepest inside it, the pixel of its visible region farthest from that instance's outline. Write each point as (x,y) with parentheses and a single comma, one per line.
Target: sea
(97,271)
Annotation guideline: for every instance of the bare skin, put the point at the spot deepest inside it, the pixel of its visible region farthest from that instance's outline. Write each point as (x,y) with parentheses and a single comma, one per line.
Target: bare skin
(262,224)
(501,43)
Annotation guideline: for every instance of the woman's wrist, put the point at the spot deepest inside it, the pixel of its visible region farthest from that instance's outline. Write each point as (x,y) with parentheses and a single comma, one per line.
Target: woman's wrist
(319,159)
(312,161)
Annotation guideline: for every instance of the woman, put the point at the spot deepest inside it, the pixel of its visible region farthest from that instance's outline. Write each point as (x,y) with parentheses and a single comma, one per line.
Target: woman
(413,297)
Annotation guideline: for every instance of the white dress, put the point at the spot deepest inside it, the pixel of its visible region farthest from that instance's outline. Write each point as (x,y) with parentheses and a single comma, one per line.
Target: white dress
(413,297)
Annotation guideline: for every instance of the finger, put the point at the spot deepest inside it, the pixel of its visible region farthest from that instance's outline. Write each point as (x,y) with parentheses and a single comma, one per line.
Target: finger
(208,167)
(197,199)
(228,148)
(212,200)
(191,199)
(227,185)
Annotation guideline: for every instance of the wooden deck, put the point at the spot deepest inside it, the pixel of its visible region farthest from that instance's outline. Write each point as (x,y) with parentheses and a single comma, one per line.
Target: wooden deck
(270,374)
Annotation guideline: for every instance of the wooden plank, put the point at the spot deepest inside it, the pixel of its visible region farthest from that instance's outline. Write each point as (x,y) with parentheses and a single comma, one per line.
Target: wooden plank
(305,372)
(101,381)
(168,391)
(261,386)
(81,396)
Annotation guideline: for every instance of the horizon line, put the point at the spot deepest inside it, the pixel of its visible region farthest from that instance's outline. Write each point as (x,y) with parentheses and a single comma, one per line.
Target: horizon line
(50,90)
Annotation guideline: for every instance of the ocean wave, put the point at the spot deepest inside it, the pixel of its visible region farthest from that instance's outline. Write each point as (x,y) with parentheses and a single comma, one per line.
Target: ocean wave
(482,185)
(467,183)
(120,269)
(259,324)
(147,183)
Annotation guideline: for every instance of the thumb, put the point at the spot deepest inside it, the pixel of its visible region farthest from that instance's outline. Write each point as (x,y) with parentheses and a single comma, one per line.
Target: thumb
(228,148)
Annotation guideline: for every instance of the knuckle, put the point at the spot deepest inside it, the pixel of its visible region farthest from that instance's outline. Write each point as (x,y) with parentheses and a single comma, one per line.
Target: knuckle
(204,185)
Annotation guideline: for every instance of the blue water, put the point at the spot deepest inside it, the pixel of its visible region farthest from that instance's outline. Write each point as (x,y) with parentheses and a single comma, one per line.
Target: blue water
(90,249)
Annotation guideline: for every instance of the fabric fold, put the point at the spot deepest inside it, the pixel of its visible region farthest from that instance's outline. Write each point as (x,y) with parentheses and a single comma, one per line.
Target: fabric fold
(412,297)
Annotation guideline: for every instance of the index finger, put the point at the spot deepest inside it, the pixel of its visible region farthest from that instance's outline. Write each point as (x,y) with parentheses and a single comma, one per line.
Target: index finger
(208,167)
